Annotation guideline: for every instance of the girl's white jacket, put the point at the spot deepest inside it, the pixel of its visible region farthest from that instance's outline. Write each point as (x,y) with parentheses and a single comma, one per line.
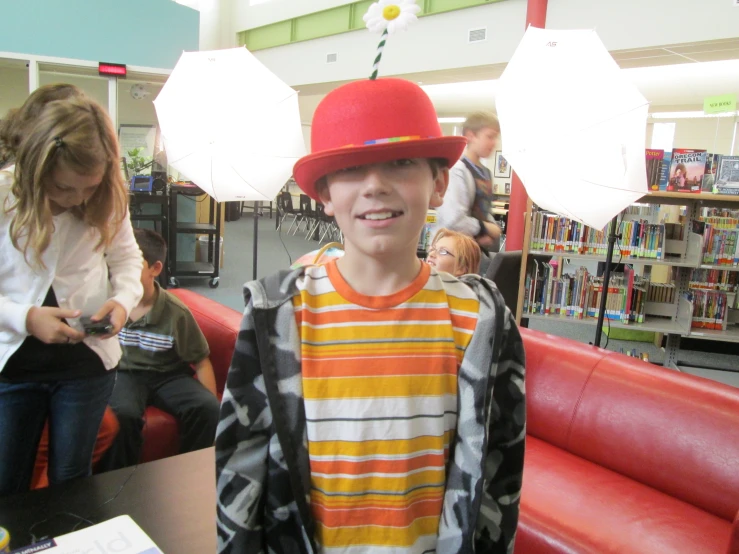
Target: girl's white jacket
(83,278)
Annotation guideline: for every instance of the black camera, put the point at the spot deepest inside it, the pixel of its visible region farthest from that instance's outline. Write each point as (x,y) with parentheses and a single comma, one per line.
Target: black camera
(102,327)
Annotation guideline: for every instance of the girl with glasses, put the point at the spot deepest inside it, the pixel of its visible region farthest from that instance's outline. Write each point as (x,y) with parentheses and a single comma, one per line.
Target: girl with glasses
(453,252)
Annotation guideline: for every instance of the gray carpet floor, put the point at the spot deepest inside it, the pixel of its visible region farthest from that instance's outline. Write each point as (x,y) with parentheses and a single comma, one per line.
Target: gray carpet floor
(275,251)
(278,250)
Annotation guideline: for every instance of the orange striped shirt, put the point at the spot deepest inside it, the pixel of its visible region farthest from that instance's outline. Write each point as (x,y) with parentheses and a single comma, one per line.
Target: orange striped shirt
(380,387)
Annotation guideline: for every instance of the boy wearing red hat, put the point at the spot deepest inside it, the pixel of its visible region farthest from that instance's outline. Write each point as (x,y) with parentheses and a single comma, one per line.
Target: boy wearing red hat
(374,405)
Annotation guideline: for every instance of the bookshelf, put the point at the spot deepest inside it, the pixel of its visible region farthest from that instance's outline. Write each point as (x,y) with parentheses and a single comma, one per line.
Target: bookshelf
(672,319)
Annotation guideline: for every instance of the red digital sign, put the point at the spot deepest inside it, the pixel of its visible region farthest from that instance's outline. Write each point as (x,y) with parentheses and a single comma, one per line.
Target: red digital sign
(115,69)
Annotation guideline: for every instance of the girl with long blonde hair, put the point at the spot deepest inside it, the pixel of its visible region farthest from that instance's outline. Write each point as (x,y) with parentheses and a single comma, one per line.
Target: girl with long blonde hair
(67,250)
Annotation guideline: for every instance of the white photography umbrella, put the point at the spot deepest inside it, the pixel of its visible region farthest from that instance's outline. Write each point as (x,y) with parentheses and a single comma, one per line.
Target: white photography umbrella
(230,125)
(573,127)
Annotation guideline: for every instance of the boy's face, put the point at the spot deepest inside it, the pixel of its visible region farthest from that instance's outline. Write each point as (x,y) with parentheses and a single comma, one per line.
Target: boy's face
(381,208)
(482,142)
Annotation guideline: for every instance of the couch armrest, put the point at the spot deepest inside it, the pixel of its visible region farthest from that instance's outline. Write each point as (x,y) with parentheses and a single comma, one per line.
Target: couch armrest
(734,537)
(220,325)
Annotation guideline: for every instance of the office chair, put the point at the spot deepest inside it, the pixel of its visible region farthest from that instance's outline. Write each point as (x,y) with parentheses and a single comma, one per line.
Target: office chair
(505,271)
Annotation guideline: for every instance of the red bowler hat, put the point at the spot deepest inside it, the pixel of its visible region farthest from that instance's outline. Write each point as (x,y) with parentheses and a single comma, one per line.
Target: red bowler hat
(373,121)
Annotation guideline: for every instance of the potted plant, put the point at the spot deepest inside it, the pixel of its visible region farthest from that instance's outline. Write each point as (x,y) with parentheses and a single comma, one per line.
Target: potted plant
(135,162)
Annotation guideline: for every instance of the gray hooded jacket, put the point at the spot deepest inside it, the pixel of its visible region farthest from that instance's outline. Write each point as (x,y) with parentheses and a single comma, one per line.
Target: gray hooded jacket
(262,465)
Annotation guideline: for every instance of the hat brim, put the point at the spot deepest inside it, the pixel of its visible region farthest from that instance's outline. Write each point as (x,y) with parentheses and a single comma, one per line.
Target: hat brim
(311,168)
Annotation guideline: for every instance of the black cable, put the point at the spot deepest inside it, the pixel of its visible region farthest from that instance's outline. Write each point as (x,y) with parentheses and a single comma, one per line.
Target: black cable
(35,539)
(289,257)
(82,519)
(111,499)
(194,198)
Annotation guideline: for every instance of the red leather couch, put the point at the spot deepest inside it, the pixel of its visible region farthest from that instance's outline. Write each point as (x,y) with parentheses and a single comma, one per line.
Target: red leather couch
(220,325)
(625,457)
(621,456)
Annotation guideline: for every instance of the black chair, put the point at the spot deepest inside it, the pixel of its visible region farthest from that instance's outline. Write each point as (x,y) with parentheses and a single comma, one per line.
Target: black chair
(319,222)
(307,214)
(505,271)
(285,208)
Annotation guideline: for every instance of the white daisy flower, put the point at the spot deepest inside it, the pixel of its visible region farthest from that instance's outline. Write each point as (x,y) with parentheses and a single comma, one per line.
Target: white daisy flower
(393,15)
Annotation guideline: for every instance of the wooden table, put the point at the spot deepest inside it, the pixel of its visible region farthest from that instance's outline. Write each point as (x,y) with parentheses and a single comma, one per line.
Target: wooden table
(172,500)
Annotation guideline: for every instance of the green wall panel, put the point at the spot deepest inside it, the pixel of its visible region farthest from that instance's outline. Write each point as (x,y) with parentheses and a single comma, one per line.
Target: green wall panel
(268,36)
(440,6)
(358,11)
(322,24)
(335,21)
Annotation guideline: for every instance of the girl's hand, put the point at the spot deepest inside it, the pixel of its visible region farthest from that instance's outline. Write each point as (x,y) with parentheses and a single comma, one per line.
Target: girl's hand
(45,323)
(117,317)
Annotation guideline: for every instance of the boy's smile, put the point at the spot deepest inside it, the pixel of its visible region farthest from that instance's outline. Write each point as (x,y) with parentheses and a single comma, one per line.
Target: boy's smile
(380,218)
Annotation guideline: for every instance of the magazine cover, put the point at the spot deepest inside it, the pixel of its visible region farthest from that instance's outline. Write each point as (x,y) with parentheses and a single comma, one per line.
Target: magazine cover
(654,163)
(709,178)
(664,170)
(120,535)
(727,176)
(686,170)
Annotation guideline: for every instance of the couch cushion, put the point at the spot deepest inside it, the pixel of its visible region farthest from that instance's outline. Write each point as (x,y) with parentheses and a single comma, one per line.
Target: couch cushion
(570,505)
(220,325)
(161,435)
(671,431)
(557,370)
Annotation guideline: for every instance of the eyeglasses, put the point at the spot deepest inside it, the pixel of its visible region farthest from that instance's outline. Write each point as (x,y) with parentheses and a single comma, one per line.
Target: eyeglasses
(433,251)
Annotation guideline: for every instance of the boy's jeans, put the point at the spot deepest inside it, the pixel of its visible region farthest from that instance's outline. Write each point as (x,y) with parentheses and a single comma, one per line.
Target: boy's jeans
(74,407)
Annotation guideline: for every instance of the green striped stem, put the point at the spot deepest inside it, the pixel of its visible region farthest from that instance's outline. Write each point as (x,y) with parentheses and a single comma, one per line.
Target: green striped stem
(380,48)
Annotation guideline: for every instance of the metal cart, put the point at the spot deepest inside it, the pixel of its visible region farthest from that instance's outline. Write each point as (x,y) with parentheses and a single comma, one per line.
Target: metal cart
(212,229)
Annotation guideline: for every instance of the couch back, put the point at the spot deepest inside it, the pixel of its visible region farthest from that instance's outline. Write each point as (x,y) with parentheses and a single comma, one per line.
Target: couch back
(220,325)
(671,431)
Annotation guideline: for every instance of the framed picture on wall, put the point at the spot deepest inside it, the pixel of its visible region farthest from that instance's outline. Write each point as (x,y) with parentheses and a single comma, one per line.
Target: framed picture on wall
(502,167)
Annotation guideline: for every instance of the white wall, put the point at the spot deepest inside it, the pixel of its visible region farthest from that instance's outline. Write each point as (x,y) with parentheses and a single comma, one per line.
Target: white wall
(13,88)
(713,135)
(137,112)
(94,87)
(433,43)
(218,28)
(440,41)
(211,31)
(629,24)
(14,91)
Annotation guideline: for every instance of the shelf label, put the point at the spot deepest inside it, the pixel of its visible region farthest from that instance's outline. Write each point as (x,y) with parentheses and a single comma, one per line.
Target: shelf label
(719,104)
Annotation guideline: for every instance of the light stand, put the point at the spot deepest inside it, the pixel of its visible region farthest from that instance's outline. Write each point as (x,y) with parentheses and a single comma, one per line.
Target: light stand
(612,237)
(257,213)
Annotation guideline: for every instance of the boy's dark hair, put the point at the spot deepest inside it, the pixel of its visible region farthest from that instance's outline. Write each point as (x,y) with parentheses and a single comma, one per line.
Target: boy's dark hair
(152,245)
(436,165)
